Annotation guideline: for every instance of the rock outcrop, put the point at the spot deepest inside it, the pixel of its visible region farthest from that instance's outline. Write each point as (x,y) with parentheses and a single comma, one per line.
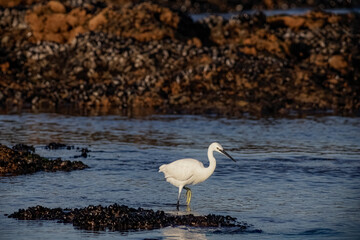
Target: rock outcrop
(122,218)
(146,58)
(21,159)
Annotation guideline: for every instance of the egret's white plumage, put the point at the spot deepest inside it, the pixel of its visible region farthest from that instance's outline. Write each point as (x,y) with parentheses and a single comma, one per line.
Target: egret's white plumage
(188,171)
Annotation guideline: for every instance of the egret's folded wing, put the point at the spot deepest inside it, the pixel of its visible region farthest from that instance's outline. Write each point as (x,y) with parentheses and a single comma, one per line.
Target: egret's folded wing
(181,170)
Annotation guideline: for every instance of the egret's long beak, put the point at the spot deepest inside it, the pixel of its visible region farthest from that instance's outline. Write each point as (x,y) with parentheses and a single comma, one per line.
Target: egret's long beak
(226,154)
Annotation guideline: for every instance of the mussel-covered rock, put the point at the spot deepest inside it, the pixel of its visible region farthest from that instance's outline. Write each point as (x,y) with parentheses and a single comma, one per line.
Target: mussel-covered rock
(121,218)
(22,160)
(147,58)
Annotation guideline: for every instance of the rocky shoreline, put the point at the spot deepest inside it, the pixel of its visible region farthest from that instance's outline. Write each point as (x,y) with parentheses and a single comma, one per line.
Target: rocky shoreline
(122,218)
(21,159)
(147,58)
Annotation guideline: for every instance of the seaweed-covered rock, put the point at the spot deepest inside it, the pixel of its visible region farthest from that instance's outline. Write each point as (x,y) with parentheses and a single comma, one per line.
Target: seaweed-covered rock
(22,160)
(122,218)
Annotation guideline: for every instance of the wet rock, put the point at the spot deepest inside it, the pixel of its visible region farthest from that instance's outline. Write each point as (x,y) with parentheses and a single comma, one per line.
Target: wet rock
(122,218)
(22,160)
(38,212)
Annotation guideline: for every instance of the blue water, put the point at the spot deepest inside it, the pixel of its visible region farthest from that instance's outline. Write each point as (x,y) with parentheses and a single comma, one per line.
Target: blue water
(293,12)
(293,179)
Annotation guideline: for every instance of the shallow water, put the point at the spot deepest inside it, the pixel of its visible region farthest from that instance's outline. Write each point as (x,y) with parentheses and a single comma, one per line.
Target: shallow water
(294,178)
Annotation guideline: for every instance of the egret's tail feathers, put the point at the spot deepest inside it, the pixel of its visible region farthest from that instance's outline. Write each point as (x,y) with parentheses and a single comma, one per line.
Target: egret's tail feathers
(162,168)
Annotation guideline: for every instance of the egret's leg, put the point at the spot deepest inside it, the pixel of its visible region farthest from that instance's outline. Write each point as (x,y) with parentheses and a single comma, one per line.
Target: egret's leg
(188,195)
(178,201)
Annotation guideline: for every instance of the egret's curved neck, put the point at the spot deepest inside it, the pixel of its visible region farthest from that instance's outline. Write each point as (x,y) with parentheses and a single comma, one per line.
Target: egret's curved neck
(212,163)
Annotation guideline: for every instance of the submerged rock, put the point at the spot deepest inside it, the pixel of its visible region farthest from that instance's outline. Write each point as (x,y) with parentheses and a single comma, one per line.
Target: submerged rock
(54,145)
(84,153)
(22,160)
(122,218)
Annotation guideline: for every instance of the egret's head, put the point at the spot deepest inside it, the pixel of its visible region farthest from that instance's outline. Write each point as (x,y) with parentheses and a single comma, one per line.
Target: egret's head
(218,148)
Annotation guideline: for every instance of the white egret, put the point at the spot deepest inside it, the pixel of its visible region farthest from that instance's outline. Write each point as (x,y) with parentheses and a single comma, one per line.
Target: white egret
(188,171)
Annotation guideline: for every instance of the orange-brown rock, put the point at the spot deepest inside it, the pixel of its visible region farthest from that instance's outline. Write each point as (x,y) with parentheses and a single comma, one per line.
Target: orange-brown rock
(262,41)
(293,22)
(14,3)
(35,22)
(74,32)
(76,17)
(338,62)
(4,67)
(9,3)
(97,21)
(143,22)
(55,23)
(56,7)
(249,50)
(51,22)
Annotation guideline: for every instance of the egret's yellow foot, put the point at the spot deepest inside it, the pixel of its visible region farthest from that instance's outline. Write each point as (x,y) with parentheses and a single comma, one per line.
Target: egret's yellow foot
(188,195)
(188,209)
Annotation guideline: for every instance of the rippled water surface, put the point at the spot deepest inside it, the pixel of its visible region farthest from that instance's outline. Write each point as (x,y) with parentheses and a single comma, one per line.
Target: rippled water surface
(294,178)
(292,12)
